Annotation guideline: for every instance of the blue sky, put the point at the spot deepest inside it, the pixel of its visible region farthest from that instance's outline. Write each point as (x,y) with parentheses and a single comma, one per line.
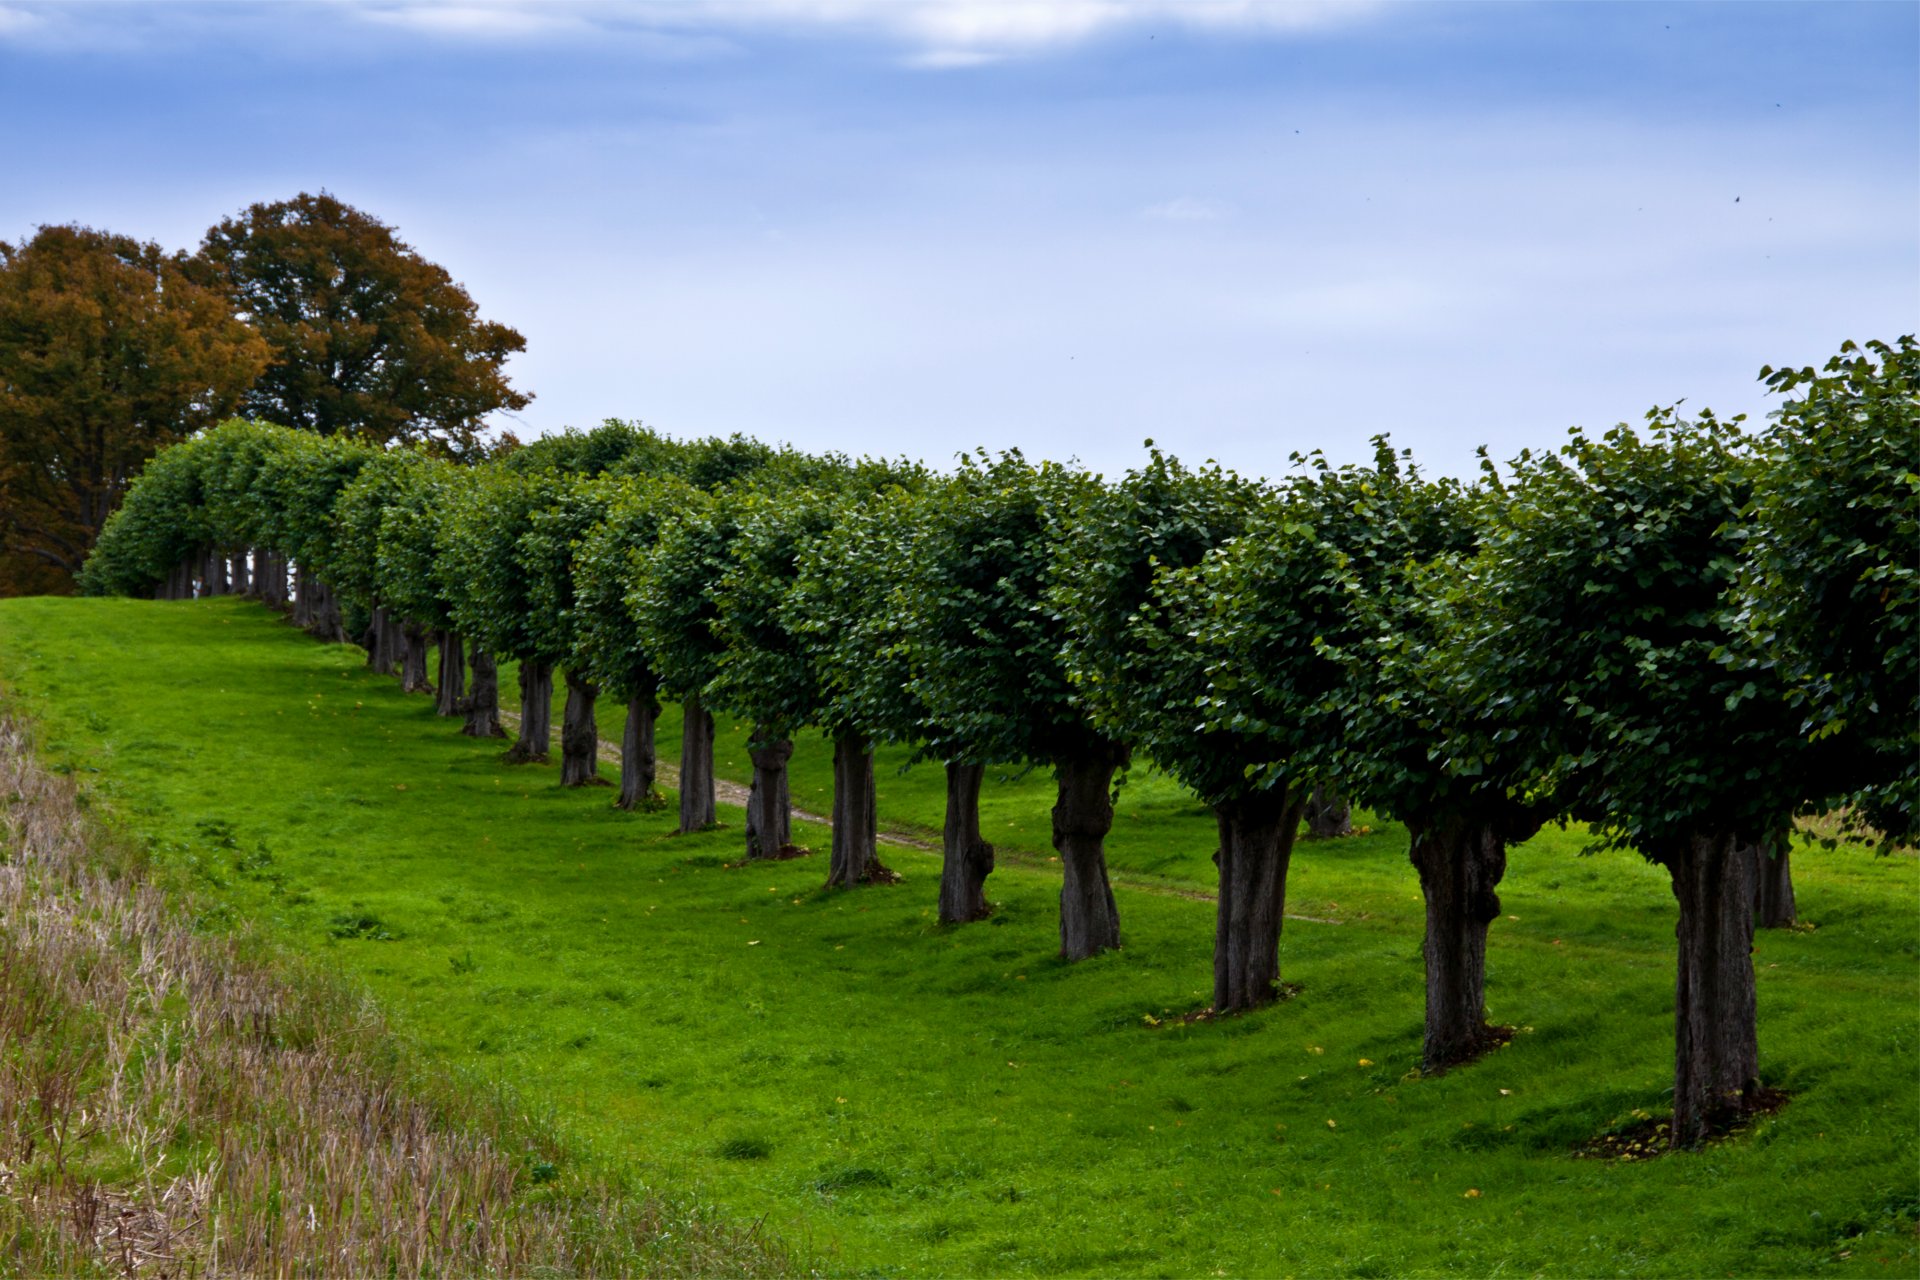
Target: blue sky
(918,226)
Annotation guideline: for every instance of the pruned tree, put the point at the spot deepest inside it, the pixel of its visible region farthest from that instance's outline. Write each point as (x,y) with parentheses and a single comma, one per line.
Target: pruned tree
(549,550)
(1830,589)
(850,606)
(673,612)
(485,581)
(412,541)
(1592,631)
(358,515)
(985,650)
(605,571)
(1132,660)
(1416,747)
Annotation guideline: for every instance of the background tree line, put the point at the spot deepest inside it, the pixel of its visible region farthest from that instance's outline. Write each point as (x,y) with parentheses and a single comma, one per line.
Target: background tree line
(305,312)
(1682,636)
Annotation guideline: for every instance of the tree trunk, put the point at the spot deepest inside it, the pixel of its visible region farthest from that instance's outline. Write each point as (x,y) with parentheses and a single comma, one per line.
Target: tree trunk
(966,859)
(579,734)
(1773,906)
(180,584)
(215,573)
(1460,861)
(1716,1038)
(382,655)
(1082,816)
(274,591)
(769,807)
(536,714)
(302,598)
(637,765)
(1256,844)
(413,659)
(453,676)
(324,621)
(238,576)
(1329,815)
(696,766)
(482,703)
(856,843)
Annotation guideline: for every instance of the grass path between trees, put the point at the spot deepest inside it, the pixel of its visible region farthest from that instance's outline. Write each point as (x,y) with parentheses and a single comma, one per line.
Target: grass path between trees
(900,1098)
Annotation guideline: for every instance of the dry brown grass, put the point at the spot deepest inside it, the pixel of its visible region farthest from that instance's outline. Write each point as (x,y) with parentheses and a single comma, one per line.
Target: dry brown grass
(174,1103)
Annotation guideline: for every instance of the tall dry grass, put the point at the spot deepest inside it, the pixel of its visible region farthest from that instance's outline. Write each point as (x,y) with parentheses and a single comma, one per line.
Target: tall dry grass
(173,1103)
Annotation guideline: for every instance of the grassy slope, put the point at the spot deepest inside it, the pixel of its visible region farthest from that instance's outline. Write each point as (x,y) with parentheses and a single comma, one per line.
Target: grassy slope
(959,1101)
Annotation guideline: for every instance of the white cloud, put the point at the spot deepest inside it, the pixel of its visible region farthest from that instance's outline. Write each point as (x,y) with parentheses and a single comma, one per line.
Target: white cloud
(942,33)
(1188,209)
(17,21)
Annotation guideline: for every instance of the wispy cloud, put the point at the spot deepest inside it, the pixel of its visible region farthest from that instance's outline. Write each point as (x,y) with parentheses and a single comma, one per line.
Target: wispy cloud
(931,33)
(1188,209)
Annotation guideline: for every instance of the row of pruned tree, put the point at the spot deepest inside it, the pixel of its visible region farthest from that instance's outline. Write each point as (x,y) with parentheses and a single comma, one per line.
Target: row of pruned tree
(1682,636)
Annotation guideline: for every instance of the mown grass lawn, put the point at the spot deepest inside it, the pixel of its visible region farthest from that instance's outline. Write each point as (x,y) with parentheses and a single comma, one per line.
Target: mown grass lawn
(909,1099)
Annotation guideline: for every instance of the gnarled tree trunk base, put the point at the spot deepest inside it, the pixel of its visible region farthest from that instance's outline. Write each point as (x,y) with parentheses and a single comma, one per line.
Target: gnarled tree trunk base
(1461,861)
(1716,1036)
(966,859)
(1082,816)
(769,806)
(580,735)
(452,695)
(536,714)
(856,829)
(481,706)
(638,765)
(1256,843)
(696,767)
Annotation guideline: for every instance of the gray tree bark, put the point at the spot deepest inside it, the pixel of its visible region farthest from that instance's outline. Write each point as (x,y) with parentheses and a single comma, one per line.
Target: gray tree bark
(382,656)
(1329,815)
(482,703)
(536,714)
(1773,904)
(413,659)
(323,616)
(1082,816)
(769,806)
(1716,1035)
(238,576)
(696,766)
(580,734)
(966,857)
(274,590)
(856,818)
(1256,845)
(1460,861)
(214,572)
(452,696)
(637,758)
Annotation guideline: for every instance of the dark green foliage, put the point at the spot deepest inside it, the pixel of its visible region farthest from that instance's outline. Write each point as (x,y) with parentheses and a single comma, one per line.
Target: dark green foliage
(850,605)
(606,568)
(763,669)
(670,599)
(484,578)
(547,552)
(1590,633)
(1119,645)
(1831,580)
(984,646)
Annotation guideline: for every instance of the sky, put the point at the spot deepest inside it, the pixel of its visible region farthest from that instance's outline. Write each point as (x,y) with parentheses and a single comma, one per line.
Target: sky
(1242,229)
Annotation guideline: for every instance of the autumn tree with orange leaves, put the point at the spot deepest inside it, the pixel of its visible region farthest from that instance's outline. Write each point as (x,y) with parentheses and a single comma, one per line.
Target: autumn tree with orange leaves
(109,350)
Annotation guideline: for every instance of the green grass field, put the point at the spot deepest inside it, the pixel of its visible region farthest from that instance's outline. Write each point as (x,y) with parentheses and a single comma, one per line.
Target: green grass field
(900,1098)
